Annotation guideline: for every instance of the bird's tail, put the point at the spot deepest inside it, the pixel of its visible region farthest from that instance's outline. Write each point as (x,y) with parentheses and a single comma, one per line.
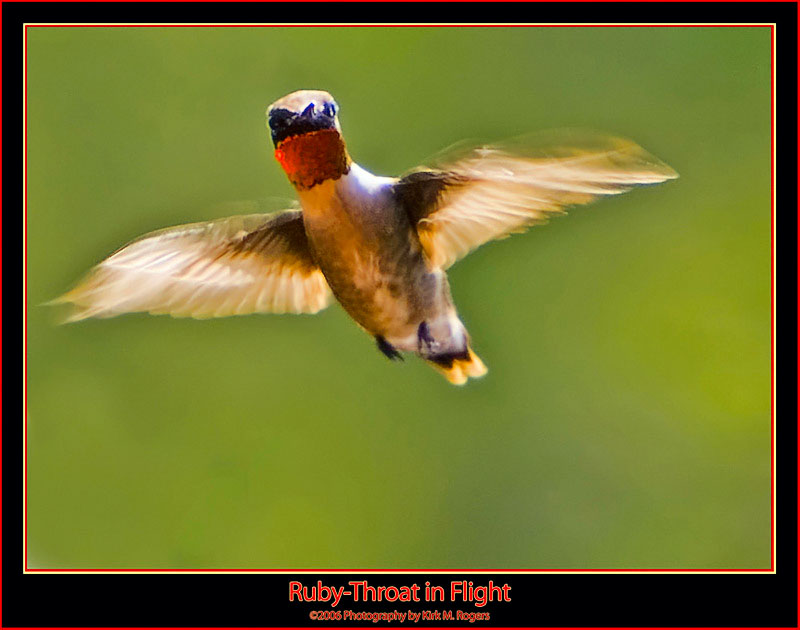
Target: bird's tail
(457,368)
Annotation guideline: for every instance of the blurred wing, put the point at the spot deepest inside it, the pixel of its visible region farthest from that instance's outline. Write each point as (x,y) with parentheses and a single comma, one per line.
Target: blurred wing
(493,191)
(258,263)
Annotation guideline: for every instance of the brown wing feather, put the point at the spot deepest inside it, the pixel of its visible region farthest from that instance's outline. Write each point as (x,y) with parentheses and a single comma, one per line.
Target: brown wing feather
(256,263)
(491,192)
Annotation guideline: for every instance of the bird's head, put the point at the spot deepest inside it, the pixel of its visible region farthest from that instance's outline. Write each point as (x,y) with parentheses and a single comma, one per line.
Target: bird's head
(307,137)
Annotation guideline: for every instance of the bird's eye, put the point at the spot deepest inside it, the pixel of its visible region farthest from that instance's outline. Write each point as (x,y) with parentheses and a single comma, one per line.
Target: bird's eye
(329,109)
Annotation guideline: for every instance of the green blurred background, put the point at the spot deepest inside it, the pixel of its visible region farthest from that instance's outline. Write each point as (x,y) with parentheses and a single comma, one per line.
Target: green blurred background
(625,419)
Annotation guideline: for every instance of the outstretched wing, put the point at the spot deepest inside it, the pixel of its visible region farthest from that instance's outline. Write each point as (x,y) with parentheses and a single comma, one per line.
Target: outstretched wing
(492,191)
(258,263)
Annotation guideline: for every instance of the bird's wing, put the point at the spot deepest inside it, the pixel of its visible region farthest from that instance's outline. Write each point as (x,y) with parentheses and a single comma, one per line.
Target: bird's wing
(490,192)
(257,263)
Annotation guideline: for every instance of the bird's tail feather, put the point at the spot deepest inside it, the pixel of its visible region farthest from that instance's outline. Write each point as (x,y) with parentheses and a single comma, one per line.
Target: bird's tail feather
(458,369)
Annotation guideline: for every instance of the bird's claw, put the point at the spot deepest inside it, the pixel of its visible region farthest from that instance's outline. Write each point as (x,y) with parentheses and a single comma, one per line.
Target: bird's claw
(388,349)
(426,343)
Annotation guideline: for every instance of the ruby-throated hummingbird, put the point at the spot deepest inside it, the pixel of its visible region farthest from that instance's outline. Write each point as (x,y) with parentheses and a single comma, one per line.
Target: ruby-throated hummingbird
(380,245)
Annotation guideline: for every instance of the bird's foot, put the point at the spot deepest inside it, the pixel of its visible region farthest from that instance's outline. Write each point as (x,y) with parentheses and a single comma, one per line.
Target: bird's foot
(388,349)
(426,344)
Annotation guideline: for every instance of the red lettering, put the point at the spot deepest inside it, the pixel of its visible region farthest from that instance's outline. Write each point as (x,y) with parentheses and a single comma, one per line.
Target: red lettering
(295,588)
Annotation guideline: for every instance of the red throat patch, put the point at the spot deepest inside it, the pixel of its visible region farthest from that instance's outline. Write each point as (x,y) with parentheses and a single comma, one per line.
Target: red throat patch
(313,157)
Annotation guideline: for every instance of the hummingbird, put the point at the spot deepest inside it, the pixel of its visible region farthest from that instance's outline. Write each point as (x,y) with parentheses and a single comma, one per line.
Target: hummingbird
(380,246)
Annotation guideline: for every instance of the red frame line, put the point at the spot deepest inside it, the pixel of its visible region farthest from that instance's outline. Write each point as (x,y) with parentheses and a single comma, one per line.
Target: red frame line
(346,25)
(771,569)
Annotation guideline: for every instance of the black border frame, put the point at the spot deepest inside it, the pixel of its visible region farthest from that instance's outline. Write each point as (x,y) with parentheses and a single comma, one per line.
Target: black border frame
(243,600)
